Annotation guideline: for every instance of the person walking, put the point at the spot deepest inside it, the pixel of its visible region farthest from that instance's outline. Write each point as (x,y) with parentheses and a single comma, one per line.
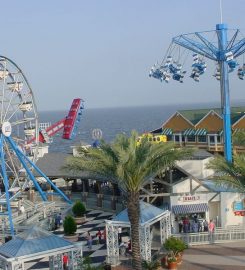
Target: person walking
(205,226)
(99,235)
(211,228)
(89,240)
(65,261)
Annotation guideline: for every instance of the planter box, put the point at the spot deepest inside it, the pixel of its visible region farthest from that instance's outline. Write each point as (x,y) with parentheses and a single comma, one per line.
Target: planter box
(71,238)
(80,220)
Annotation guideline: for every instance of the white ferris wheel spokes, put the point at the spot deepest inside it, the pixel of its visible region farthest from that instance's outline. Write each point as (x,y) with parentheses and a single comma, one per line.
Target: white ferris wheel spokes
(18,119)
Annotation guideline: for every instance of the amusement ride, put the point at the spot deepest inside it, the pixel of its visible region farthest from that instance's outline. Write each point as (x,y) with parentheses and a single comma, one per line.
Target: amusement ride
(20,136)
(225,47)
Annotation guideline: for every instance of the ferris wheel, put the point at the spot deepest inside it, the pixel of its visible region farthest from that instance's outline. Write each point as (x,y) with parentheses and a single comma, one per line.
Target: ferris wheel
(18,119)
(19,137)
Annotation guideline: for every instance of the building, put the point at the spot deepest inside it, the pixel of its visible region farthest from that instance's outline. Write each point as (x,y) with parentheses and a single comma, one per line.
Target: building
(202,128)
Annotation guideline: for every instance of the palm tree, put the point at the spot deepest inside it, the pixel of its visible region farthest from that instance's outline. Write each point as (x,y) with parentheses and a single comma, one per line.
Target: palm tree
(230,174)
(130,165)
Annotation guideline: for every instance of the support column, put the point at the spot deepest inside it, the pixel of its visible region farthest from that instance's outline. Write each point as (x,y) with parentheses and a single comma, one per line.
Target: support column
(55,262)
(112,244)
(145,243)
(221,30)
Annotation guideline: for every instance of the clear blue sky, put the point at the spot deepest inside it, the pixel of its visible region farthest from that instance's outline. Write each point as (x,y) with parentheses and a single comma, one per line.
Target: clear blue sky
(102,50)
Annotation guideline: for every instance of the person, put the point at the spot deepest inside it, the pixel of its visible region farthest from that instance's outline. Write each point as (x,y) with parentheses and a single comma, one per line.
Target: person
(119,235)
(22,209)
(195,226)
(205,225)
(186,224)
(65,261)
(89,240)
(129,248)
(211,228)
(200,225)
(99,235)
(122,248)
(180,226)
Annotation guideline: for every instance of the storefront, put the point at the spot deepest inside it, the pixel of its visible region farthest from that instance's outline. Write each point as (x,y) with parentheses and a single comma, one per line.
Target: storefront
(204,200)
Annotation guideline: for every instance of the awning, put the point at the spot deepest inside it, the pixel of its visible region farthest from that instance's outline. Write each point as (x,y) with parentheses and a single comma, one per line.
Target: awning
(189,132)
(190,208)
(167,131)
(200,132)
(238,130)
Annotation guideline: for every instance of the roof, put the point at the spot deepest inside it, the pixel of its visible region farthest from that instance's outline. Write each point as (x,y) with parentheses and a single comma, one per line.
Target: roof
(212,185)
(32,241)
(51,165)
(194,116)
(148,212)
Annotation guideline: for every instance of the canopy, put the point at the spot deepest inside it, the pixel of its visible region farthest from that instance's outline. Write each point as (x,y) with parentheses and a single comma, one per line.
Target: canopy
(190,208)
(148,212)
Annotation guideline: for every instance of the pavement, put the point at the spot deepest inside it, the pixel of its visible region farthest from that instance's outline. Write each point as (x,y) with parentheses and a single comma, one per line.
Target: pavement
(215,257)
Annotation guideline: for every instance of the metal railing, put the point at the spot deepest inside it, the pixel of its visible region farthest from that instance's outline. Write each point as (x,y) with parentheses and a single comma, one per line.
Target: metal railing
(219,236)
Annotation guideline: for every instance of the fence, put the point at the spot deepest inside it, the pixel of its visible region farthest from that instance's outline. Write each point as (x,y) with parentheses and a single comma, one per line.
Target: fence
(219,236)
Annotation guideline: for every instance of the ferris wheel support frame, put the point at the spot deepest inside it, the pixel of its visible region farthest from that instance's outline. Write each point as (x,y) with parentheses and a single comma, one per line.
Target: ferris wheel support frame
(6,185)
(208,50)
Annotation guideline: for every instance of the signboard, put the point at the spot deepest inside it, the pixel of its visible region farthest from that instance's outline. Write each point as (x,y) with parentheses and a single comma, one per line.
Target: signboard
(189,198)
(238,206)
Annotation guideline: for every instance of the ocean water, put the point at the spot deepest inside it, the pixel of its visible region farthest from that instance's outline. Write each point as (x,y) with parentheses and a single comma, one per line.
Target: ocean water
(112,121)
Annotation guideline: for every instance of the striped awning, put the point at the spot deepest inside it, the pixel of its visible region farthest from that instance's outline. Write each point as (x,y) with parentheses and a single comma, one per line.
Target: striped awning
(167,131)
(190,208)
(200,132)
(238,130)
(189,132)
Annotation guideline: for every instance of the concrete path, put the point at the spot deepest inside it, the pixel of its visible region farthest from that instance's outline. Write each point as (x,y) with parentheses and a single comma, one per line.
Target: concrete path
(215,257)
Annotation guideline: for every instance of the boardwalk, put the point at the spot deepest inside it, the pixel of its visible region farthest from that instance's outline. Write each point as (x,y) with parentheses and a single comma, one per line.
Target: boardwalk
(215,257)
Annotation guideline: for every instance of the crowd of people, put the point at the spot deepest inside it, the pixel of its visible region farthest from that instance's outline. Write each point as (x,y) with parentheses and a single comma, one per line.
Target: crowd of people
(194,225)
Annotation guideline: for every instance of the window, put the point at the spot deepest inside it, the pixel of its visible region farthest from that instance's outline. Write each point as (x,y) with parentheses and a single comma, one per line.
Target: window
(202,138)
(212,139)
(218,139)
(176,138)
(191,138)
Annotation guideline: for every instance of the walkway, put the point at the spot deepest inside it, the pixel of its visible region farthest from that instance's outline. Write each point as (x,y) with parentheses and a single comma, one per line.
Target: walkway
(95,220)
(215,257)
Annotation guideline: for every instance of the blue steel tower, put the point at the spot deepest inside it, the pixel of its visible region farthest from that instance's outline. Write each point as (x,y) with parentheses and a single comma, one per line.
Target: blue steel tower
(224,50)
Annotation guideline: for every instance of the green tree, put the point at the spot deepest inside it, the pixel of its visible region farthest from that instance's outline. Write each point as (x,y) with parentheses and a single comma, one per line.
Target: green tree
(131,165)
(232,174)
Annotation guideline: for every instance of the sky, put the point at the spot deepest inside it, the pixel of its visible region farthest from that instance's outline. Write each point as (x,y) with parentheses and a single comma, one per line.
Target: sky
(102,50)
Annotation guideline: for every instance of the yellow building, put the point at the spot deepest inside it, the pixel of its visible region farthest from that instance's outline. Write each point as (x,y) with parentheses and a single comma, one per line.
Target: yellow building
(201,128)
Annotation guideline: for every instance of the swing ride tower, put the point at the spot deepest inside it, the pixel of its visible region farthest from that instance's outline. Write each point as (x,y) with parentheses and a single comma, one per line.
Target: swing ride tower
(227,46)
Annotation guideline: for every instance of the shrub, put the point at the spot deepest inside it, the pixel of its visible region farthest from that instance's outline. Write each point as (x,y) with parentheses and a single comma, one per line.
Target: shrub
(69,225)
(78,209)
(174,245)
(150,265)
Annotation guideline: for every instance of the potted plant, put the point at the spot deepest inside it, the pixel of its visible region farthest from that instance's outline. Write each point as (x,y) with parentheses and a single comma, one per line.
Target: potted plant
(79,211)
(175,247)
(172,263)
(70,228)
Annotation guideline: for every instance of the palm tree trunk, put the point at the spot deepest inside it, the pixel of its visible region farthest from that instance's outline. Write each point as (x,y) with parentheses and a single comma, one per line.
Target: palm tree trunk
(134,217)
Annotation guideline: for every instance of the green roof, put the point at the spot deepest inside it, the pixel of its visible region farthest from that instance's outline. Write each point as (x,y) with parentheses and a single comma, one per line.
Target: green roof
(194,116)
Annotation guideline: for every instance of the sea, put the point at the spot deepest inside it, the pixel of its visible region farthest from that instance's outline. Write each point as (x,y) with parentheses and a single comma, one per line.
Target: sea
(112,121)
